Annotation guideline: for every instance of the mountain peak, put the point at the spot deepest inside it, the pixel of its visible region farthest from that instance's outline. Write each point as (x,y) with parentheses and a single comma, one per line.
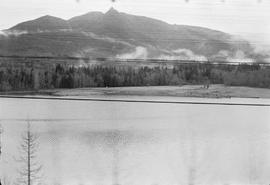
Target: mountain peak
(46,22)
(112,11)
(47,17)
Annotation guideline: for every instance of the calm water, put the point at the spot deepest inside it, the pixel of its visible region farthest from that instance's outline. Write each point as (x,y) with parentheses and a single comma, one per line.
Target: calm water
(105,143)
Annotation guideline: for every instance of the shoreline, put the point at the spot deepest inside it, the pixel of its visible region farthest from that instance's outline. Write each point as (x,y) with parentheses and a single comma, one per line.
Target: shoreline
(192,91)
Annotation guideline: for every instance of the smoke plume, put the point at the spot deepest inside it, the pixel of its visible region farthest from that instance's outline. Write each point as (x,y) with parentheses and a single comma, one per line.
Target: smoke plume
(139,53)
(6,33)
(107,39)
(238,56)
(183,54)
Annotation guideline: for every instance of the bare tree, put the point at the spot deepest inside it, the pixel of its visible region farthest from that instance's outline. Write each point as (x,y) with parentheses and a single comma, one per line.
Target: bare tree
(30,169)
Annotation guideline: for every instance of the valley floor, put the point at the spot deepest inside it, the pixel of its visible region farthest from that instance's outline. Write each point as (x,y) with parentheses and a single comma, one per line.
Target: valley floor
(214,91)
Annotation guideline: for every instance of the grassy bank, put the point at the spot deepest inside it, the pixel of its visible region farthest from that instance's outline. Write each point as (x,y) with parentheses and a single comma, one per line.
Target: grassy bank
(214,91)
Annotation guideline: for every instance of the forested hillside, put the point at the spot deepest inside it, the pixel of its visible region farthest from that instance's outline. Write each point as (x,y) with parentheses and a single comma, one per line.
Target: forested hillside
(72,76)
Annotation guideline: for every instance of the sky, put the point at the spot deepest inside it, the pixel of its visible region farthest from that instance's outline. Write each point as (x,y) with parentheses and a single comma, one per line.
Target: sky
(247,18)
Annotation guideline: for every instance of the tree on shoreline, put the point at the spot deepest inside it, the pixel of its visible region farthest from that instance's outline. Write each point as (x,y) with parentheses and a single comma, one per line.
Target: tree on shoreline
(30,169)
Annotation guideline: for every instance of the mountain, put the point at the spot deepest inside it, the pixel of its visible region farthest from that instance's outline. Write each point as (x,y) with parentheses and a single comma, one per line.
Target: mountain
(116,34)
(45,23)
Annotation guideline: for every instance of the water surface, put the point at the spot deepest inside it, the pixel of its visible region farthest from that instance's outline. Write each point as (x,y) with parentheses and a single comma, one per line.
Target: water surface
(105,143)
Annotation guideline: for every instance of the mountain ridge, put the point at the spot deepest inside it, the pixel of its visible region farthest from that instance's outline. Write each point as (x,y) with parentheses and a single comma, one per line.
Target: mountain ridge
(117,34)
(43,23)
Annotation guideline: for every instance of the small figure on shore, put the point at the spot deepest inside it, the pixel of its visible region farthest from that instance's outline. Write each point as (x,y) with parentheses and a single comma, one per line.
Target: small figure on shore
(206,83)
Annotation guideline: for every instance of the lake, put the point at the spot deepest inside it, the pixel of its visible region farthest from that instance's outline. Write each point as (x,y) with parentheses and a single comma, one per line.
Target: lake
(109,143)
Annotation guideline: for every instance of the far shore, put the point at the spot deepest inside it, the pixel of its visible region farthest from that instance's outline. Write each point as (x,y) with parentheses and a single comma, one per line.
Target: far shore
(214,91)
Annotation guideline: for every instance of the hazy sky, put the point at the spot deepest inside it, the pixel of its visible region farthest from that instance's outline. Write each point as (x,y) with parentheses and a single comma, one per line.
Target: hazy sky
(244,17)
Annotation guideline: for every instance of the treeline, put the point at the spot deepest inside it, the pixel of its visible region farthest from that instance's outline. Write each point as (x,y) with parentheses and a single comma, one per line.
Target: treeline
(63,76)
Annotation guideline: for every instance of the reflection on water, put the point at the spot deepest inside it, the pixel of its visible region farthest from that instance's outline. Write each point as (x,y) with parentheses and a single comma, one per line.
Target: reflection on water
(102,143)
